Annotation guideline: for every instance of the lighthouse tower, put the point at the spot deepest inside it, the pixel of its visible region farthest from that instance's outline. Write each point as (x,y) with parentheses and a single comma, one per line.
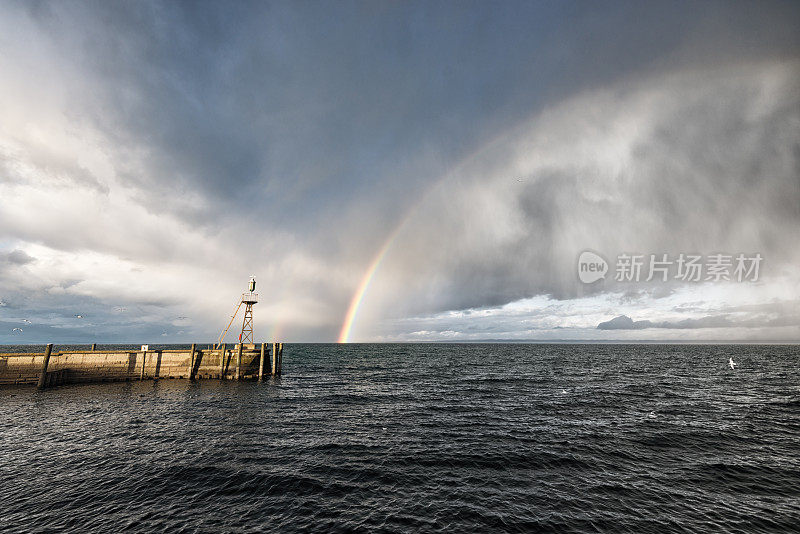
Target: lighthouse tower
(248,299)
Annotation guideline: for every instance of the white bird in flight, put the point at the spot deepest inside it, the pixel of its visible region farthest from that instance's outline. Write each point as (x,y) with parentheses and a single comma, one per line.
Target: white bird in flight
(732,363)
(79,316)
(16,330)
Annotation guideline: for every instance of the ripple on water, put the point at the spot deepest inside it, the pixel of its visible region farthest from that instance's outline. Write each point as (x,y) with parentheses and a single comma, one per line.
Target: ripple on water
(437,438)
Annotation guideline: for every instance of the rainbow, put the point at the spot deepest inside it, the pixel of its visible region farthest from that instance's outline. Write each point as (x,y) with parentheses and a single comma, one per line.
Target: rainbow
(358,296)
(276,331)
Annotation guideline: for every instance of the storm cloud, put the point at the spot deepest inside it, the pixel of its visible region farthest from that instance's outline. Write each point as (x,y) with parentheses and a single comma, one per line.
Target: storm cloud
(16,257)
(154,155)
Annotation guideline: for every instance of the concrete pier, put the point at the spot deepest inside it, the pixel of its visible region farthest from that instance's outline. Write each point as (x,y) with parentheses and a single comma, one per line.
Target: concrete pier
(54,367)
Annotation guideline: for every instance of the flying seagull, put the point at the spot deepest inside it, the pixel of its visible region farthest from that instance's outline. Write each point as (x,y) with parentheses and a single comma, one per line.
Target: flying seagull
(79,316)
(26,321)
(732,363)
(16,330)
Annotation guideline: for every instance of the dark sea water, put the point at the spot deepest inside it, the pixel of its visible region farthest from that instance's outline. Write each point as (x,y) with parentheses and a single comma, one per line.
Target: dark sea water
(420,438)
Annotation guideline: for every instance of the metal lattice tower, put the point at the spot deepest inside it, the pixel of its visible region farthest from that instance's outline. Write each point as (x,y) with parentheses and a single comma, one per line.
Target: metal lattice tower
(247,325)
(248,299)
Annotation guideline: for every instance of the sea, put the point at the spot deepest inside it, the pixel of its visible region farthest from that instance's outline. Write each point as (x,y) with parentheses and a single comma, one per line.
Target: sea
(420,438)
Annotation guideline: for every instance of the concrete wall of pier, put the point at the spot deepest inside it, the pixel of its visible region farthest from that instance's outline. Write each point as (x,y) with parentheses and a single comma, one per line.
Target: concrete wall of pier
(66,367)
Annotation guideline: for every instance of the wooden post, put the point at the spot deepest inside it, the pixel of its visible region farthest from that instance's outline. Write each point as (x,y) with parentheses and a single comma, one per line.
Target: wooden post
(94,347)
(280,358)
(239,361)
(274,359)
(43,374)
(261,364)
(191,363)
(222,362)
(144,362)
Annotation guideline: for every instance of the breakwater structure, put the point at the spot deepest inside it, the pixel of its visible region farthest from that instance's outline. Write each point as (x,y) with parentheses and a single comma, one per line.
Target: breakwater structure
(242,361)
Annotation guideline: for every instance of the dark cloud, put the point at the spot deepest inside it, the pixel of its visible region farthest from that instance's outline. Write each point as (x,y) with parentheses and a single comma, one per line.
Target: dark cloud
(215,140)
(16,257)
(623,322)
(706,164)
(307,104)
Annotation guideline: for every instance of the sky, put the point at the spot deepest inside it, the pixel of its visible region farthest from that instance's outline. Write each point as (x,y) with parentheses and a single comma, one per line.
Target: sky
(399,171)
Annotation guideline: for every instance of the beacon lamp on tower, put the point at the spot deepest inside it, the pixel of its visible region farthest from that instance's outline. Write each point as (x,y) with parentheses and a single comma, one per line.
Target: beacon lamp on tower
(248,299)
